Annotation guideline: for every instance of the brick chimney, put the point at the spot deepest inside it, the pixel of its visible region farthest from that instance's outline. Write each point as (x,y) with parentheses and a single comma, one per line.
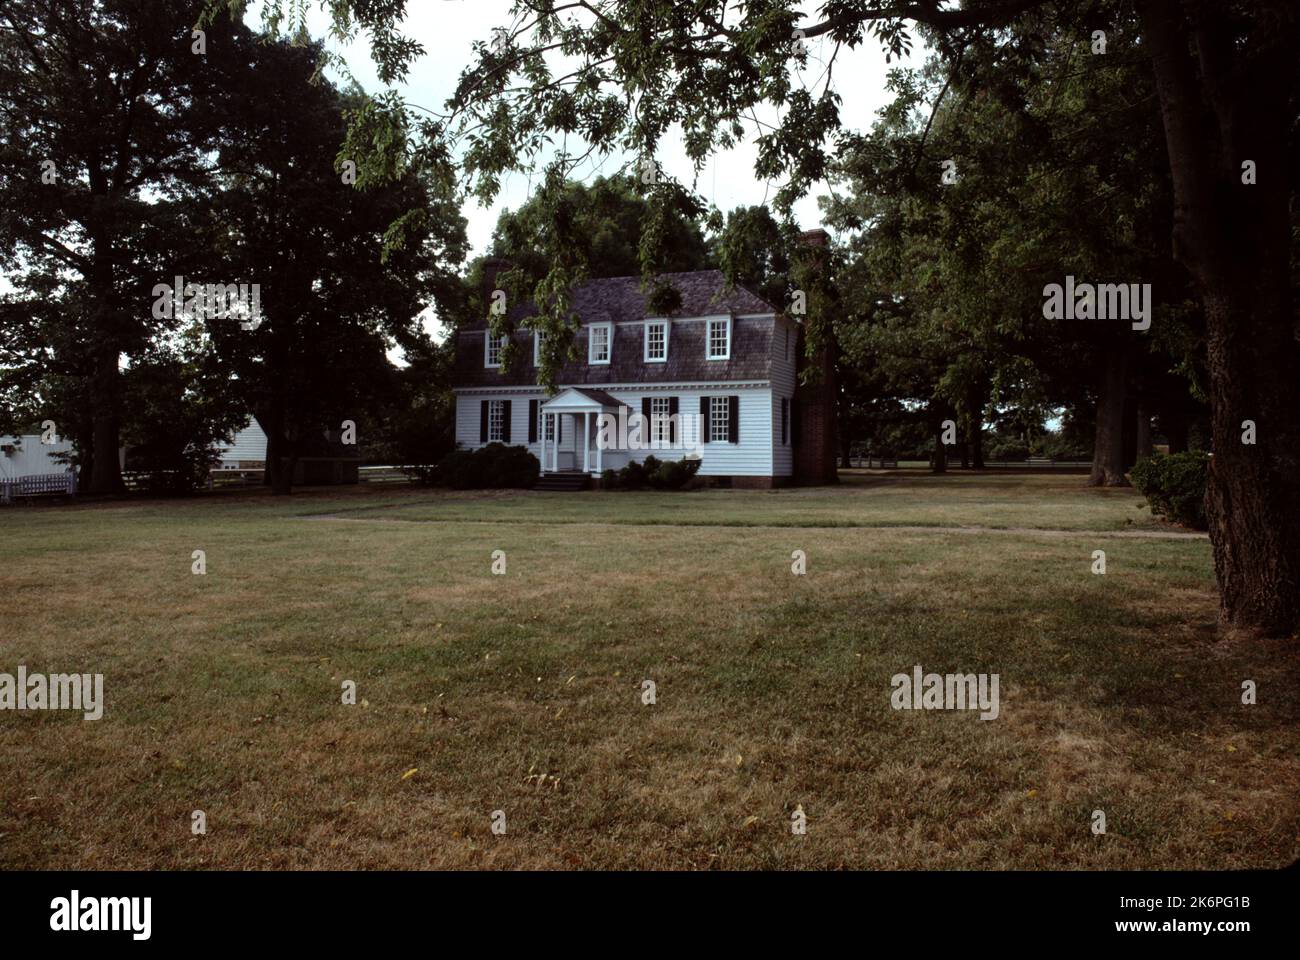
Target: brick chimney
(816,441)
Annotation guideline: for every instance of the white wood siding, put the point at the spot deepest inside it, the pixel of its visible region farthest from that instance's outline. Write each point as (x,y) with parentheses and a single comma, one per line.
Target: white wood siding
(30,457)
(468,413)
(249,444)
(751,456)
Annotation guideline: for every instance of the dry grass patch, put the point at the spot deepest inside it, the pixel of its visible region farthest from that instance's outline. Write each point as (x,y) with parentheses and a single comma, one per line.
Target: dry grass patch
(523,693)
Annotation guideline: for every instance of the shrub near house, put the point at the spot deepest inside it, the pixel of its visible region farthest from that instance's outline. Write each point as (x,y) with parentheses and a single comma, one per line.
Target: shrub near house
(490,467)
(653,473)
(1174,486)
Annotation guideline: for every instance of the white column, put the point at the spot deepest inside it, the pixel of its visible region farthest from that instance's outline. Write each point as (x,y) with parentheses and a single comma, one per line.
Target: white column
(600,453)
(555,444)
(542,426)
(586,442)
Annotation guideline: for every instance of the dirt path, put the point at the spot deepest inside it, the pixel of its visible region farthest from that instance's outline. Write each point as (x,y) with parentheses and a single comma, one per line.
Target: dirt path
(1014,531)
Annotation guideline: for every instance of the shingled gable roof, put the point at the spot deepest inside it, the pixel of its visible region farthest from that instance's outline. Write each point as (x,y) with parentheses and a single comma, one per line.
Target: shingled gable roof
(617,300)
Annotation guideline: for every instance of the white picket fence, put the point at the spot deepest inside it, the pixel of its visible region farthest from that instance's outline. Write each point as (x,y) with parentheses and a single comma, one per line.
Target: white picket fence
(38,485)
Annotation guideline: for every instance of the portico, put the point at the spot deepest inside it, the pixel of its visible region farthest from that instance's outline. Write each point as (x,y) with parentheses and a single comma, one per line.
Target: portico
(581,407)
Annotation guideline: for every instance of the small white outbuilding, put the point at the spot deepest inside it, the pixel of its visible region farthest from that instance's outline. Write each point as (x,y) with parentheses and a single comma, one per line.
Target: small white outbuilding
(24,456)
(245,451)
(29,467)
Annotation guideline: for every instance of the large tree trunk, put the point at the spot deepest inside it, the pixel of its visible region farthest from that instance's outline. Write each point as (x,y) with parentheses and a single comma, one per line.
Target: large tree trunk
(940,463)
(282,478)
(106,379)
(1234,238)
(282,469)
(1145,445)
(272,453)
(1173,425)
(280,453)
(83,438)
(1253,500)
(106,468)
(977,399)
(1108,445)
(1130,432)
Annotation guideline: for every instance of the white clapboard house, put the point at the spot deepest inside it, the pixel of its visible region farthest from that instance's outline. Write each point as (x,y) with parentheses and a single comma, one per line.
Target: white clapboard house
(716,379)
(246,450)
(29,467)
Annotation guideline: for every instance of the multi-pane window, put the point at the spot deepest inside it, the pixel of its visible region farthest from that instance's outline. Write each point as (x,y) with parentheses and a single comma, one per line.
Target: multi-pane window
(719,419)
(656,340)
(545,425)
(660,424)
(719,339)
(496,420)
(492,349)
(539,338)
(598,343)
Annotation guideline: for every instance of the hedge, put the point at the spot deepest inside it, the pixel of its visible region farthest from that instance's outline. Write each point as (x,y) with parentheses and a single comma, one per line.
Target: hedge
(652,472)
(490,467)
(1174,486)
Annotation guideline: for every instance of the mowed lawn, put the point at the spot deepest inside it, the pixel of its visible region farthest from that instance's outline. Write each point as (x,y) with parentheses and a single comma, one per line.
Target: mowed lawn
(523,692)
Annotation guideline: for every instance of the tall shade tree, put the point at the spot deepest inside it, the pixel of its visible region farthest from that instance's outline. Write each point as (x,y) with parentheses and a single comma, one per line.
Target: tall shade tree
(608,215)
(1227,85)
(1025,169)
(343,275)
(754,250)
(96,131)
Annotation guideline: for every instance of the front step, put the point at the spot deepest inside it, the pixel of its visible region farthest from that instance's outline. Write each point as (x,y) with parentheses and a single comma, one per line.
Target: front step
(566,482)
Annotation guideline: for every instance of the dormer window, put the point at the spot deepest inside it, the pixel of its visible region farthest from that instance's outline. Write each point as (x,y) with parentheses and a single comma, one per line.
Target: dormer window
(539,337)
(656,341)
(492,347)
(598,338)
(717,344)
